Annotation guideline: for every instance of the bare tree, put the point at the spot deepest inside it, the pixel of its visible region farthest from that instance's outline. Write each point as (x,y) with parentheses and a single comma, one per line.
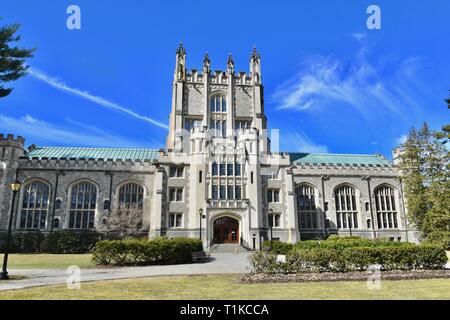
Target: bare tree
(125,221)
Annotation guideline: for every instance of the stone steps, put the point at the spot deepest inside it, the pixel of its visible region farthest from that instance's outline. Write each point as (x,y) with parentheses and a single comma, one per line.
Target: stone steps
(227,248)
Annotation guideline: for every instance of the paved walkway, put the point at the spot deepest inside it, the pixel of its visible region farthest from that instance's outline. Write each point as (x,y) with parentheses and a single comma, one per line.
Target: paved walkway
(220,263)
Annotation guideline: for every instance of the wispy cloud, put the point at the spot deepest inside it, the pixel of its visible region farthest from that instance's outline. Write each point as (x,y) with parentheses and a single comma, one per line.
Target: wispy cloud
(368,87)
(37,74)
(298,141)
(72,133)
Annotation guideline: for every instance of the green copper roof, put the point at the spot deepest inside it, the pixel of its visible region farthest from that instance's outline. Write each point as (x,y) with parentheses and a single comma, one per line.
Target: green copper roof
(339,159)
(93,153)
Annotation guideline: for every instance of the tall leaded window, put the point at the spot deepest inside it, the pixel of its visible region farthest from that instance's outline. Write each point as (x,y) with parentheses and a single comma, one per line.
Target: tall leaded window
(222,169)
(218,107)
(230,193)
(35,198)
(386,208)
(306,206)
(215,192)
(214,169)
(346,207)
(218,103)
(223,191)
(238,192)
(131,197)
(237,169)
(83,202)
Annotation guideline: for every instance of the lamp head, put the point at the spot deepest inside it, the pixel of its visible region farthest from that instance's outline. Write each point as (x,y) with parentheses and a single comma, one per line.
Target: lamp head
(15,185)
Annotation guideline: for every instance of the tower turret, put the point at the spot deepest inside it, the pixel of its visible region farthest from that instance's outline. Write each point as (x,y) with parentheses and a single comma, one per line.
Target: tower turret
(206,64)
(255,66)
(180,64)
(11,148)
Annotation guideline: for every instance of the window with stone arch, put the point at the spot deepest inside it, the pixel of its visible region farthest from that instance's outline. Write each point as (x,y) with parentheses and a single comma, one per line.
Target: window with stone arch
(307,206)
(218,117)
(131,198)
(82,205)
(386,207)
(346,207)
(34,205)
(218,103)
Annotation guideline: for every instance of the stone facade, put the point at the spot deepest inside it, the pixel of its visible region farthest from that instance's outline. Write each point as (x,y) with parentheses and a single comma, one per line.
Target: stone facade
(227,180)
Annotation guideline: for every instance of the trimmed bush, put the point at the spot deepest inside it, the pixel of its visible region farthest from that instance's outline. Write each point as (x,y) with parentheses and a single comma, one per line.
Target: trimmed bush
(279,247)
(58,241)
(70,241)
(145,252)
(406,257)
(347,242)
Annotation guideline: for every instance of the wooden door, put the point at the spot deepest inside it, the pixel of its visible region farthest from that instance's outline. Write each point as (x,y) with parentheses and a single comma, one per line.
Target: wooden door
(226,230)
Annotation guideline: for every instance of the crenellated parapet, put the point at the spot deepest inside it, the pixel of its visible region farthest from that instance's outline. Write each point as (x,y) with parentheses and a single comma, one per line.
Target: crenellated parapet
(11,140)
(87,164)
(345,169)
(218,77)
(11,147)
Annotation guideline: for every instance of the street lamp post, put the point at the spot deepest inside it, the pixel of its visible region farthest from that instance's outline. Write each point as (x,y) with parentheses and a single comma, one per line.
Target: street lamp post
(350,221)
(271,227)
(15,187)
(200,212)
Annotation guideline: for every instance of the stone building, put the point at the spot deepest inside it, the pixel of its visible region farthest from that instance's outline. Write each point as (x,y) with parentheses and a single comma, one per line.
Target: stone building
(220,176)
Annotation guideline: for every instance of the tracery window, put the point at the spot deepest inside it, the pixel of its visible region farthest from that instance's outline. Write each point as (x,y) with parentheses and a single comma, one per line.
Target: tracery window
(386,208)
(346,207)
(306,206)
(131,198)
(83,202)
(34,207)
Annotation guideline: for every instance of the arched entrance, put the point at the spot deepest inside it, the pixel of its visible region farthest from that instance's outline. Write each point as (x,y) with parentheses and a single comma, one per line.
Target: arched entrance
(226,230)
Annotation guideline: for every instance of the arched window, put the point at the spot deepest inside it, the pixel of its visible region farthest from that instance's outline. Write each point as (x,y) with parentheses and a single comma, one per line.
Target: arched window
(346,207)
(131,198)
(386,208)
(218,103)
(218,119)
(306,207)
(35,199)
(83,202)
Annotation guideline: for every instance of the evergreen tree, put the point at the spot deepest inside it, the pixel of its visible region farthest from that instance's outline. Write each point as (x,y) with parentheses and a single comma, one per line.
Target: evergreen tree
(425,165)
(12,58)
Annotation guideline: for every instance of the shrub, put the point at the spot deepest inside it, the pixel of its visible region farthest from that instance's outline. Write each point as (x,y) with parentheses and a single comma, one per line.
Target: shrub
(26,242)
(70,241)
(406,257)
(279,247)
(145,252)
(58,241)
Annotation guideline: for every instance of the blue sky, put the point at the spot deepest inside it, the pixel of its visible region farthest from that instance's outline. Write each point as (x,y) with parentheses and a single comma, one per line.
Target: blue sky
(331,85)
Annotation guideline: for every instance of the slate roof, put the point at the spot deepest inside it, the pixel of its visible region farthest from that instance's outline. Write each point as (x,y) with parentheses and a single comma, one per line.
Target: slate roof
(339,159)
(93,153)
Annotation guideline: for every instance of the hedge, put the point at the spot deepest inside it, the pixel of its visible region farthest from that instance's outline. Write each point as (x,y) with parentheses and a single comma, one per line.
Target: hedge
(406,257)
(58,241)
(145,252)
(333,242)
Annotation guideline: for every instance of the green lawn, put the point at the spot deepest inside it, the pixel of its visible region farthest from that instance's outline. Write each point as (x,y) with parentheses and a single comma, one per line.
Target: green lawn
(48,261)
(228,287)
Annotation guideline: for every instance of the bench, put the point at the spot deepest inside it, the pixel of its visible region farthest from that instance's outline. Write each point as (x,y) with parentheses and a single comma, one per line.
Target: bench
(200,256)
